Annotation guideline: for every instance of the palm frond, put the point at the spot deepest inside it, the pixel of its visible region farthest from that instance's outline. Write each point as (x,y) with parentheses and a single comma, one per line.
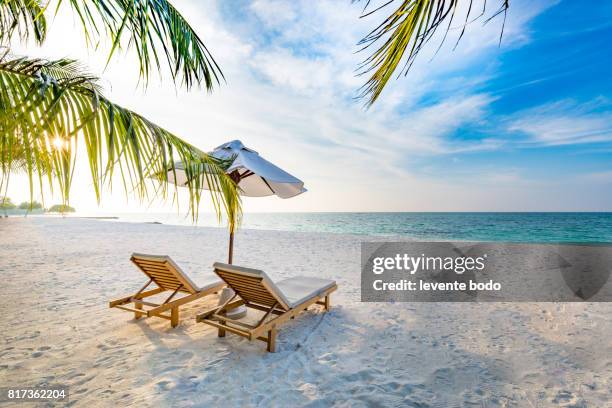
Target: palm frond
(48,108)
(404,33)
(156,30)
(25,17)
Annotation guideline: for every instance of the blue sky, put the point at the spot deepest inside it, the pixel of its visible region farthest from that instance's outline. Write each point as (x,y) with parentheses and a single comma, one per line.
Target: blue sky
(525,126)
(553,95)
(540,108)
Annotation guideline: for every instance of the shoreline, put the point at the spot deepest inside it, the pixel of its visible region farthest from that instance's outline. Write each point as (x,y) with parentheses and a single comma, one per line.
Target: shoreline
(374,237)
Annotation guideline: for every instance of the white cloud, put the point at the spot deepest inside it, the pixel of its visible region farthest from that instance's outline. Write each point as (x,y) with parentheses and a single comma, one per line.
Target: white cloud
(274,13)
(430,125)
(564,122)
(303,75)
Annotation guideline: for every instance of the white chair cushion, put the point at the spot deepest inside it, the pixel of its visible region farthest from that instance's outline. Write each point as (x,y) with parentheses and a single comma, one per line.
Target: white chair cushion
(301,288)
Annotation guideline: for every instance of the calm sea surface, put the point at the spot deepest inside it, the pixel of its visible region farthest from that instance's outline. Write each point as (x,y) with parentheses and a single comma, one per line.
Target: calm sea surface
(512,227)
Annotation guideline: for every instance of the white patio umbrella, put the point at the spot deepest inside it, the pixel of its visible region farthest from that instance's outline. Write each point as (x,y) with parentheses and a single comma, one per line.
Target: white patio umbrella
(254,175)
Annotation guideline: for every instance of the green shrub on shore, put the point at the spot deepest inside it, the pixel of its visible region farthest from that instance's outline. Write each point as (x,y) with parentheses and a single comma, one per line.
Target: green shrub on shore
(6,204)
(60,208)
(34,205)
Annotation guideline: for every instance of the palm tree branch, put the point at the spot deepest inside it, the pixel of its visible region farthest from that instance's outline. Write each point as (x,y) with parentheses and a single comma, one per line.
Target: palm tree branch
(149,25)
(43,100)
(401,36)
(26,17)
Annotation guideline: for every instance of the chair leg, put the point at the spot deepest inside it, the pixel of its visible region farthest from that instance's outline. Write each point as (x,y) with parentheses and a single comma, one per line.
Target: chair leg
(174,316)
(221,331)
(272,340)
(138,315)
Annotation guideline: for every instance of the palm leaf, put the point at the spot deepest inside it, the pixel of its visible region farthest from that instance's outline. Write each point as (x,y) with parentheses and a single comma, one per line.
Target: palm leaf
(49,108)
(24,17)
(403,34)
(156,30)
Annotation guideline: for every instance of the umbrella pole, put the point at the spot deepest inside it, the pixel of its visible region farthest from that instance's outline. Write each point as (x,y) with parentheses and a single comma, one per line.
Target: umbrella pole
(227,293)
(231,248)
(235,176)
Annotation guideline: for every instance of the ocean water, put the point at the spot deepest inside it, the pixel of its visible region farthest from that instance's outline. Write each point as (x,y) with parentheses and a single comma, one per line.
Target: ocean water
(486,226)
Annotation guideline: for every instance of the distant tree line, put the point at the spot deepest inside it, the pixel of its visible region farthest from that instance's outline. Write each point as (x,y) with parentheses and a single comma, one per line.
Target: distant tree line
(7,204)
(61,208)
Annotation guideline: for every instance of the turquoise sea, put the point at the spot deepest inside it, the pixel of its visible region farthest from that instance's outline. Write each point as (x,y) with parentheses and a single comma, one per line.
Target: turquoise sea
(482,226)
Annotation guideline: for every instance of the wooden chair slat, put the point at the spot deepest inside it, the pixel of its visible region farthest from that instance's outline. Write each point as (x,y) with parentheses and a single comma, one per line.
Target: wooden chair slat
(247,293)
(259,288)
(255,291)
(161,267)
(164,279)
(150,262)
(249,297)
(153,268)
(160,272)
(231,275)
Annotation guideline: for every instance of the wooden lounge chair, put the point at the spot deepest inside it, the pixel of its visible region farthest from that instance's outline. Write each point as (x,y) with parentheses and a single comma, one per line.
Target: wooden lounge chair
(167,275)
(280,302)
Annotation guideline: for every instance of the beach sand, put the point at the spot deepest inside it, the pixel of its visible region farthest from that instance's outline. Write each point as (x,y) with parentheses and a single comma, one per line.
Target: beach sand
(58,275)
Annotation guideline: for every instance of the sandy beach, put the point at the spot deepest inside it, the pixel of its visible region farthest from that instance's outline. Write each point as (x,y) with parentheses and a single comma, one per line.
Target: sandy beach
(59,274)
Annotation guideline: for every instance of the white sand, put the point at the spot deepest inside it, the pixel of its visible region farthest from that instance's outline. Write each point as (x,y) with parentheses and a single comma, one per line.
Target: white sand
(56,327)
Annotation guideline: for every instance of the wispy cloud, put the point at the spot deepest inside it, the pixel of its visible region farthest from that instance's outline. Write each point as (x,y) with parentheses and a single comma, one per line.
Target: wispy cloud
(565,122)
(282,68)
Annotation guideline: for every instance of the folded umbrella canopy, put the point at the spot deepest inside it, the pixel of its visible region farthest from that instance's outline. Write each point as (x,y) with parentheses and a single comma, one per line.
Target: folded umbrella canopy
(254,175)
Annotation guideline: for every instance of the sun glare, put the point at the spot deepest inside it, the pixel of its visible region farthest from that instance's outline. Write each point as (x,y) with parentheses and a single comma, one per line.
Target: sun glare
(58,143)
